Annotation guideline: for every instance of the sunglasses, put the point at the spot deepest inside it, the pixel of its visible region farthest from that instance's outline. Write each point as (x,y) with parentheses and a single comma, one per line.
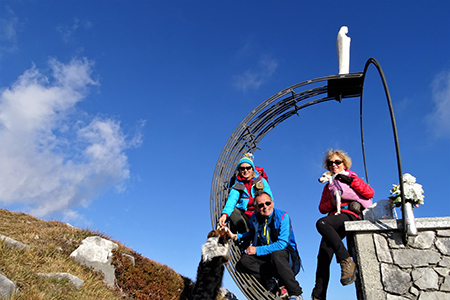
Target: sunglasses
(337,162)
(245,168)
(267,203)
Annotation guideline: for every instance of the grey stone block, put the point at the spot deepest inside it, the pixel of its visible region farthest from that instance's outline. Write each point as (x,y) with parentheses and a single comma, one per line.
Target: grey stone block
(7,287)
(425,279)
(444,262)
(77,282)
(395,297)
(407,258)
(395,240)
(434,296)
(443,244)
(395,280)
(444,233)
(424,240)
(10,243)
(442,271)
(368,267)
(382,249)
(445,286)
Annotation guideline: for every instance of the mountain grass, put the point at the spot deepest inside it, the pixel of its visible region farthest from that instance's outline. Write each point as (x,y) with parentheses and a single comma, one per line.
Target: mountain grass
(51,244)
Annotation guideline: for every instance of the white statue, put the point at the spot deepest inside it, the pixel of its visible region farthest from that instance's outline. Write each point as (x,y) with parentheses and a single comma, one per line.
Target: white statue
(343,50)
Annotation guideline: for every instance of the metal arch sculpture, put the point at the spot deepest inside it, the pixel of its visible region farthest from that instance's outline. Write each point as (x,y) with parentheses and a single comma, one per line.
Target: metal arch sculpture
(259,122)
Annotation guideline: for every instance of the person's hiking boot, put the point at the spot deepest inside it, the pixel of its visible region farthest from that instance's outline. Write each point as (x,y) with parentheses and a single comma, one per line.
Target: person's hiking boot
(283,294)
(348,271)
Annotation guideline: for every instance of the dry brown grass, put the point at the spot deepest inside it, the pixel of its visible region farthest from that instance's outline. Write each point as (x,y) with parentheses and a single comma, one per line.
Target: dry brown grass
(51,244)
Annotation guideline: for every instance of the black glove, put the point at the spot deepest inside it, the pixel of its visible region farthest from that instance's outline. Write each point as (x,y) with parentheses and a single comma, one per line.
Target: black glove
(344,179)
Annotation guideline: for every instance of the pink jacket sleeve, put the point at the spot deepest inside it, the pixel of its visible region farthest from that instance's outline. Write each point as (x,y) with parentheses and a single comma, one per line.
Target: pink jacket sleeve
(362,189)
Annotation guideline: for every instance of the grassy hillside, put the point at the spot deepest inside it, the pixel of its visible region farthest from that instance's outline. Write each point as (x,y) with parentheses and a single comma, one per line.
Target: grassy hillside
(51,244)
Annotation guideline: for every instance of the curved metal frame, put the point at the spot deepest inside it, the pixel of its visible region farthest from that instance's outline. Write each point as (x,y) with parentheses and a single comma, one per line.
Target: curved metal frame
(260,122)
(397,146)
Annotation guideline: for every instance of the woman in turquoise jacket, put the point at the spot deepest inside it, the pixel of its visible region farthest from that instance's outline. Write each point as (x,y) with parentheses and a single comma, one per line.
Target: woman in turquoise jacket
(240,203)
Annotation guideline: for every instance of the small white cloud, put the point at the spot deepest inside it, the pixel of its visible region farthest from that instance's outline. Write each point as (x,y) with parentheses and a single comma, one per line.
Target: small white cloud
(439,119)
(68,30)
(253,78)
(51,161)
(9,27)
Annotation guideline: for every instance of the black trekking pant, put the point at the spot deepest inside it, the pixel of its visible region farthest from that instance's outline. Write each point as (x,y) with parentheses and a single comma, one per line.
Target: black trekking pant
(239,221)
(333,232)
(265,267)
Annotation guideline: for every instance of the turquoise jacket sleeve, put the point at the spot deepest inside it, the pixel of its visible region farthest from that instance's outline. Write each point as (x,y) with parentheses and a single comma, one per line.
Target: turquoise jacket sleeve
(232,200)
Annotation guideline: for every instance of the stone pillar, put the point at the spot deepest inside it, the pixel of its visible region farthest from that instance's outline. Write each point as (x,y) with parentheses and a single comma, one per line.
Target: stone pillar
(390,270)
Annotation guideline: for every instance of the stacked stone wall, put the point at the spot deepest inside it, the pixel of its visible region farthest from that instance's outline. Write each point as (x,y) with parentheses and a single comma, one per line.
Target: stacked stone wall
(389,269)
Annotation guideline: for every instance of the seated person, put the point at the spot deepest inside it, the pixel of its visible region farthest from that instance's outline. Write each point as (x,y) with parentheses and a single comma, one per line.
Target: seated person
(240,203)
(332,227)
(273,252)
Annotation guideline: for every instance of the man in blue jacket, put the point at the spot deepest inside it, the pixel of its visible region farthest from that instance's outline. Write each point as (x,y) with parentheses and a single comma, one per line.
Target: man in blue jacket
(273,252)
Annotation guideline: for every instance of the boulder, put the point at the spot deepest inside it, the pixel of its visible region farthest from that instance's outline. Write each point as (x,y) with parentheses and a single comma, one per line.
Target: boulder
(10,243)
(96,252)
(7,287)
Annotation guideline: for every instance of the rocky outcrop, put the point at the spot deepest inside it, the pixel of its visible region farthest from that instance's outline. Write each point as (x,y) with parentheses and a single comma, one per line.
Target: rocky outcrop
(96,252)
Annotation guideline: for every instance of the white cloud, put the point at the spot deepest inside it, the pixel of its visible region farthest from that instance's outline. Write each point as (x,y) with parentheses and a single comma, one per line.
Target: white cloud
(253,78)
(50,161)
(68,30)
(439,119)
(9,26)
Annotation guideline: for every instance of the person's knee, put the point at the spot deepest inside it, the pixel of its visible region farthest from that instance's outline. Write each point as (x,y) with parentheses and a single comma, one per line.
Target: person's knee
(238,222)
(321,224)
(245,262)
(278,257)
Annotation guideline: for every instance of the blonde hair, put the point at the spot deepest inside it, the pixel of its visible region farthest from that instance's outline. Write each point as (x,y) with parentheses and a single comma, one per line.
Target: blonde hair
(342,155)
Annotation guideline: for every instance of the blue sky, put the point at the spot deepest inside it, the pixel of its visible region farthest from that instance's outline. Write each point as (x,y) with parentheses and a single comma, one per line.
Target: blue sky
(113,113)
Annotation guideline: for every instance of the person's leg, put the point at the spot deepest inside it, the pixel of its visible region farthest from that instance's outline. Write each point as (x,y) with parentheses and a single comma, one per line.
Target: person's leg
(280,260)
(250,264)
(332,230)
(239,222)
(324,258)
(259,267)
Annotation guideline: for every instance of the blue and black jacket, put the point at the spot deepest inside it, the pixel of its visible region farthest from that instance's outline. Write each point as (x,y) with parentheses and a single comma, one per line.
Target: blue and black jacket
(280,236)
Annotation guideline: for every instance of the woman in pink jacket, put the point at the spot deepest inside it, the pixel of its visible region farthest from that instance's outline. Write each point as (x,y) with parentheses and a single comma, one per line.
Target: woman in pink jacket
(355,197)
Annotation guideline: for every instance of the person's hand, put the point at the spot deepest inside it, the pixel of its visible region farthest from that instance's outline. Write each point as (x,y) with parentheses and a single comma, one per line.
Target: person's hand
(223,220)
(251,250)
(233,236)
(344,179)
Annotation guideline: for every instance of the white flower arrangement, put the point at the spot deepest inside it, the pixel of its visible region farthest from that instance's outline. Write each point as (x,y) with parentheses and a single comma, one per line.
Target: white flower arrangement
(413,192)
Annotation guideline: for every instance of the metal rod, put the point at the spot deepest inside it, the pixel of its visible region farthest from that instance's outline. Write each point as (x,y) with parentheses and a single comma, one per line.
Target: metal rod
(397,146)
